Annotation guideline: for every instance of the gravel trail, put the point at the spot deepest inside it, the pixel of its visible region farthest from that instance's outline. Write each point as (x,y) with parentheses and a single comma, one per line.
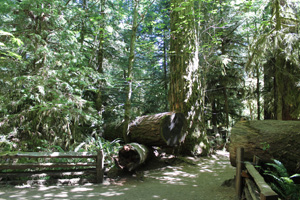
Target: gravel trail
(197,179)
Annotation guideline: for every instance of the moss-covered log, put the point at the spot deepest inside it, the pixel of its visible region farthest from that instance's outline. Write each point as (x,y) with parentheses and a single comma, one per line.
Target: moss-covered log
(132,155)
(163,129)
(159,129)
(269,139)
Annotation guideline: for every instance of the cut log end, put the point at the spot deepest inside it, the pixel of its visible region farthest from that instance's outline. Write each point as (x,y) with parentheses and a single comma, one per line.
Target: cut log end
(132,155)
(172,128)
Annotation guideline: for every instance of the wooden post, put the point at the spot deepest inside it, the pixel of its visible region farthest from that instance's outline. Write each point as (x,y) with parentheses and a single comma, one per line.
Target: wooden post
(99,166)
(256,160)
(239,168)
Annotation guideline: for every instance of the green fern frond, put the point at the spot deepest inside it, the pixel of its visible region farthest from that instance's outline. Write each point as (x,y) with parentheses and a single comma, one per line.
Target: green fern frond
(277,189)
(279,167)
(295,175)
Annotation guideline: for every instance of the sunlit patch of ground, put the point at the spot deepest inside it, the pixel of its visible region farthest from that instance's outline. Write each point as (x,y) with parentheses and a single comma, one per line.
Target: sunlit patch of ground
(197,178)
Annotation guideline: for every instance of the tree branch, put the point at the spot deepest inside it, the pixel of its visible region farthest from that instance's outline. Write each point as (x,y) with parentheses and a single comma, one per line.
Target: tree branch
(144,14)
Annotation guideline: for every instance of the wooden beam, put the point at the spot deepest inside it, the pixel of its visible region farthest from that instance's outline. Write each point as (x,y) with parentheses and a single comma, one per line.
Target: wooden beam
(239,168)
(252,188)
(43,165)
(41,174)
(64,168)
(266,193)
(247,194)
(48,155)
(74,181)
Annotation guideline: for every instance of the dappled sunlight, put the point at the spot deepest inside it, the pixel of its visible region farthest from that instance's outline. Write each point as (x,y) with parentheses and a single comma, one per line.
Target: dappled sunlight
(81,189)
(171,175)
(111,193)
(194,178)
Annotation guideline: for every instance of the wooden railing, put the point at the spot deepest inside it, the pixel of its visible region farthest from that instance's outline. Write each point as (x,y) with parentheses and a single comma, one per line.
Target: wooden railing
(34,162)
(249,183)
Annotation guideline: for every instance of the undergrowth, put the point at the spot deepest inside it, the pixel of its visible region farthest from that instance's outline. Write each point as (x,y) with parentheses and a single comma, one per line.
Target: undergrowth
(281,182)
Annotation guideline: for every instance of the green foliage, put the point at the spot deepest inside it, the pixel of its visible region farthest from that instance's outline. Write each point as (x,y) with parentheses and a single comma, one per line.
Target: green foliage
(110,149)
(281,182)
(49,64)
(44,97)
(6,144)
(8,44)
(265,146)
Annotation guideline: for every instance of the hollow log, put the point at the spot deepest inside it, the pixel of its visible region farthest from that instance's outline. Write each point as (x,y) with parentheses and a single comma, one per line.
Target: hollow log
(162,129)
(132,155)
(268,139)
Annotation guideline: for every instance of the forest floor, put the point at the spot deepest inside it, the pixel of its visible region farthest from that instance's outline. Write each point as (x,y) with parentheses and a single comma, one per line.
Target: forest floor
(190,179)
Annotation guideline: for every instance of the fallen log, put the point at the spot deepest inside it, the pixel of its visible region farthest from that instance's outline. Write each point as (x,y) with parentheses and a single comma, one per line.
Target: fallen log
(268,139)
(162,129)
(132,155)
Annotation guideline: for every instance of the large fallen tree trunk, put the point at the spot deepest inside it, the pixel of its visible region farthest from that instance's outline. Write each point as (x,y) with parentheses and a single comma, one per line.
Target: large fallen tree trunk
(159,129)
(269,139)
(132,155)
(154,130)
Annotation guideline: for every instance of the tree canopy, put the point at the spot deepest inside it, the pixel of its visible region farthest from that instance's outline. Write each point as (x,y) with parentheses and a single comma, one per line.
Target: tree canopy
(69,68)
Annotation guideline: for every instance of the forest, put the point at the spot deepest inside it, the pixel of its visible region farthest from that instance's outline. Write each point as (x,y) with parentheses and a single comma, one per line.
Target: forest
(69,69)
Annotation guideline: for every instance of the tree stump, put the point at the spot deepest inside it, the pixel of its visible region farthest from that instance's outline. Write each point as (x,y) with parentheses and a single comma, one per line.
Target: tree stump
(268,139)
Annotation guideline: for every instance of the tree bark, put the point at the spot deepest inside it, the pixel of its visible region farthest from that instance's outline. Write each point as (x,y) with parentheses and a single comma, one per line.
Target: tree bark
(129,77)
(165,69)
(226,105)
(268,139)
(158,130)
(258,91)
(163,129)
(185,80)
(100,57)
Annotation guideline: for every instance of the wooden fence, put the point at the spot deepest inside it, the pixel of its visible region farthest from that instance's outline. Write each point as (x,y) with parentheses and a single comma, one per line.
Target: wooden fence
(36,165)
(250,184)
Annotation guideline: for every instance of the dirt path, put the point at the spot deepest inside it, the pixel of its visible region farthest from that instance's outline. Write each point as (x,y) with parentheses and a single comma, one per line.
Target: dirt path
(199,181)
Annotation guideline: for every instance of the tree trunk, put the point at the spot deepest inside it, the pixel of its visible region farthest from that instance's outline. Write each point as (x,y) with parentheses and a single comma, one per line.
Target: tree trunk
(158,130)
(226,105)
(258,91)
(100,57)
(129,77)
(267,88)
(165,69)
(185,80)
(269,139)
(214,112)
(279,65)
(132,155)
(163,129)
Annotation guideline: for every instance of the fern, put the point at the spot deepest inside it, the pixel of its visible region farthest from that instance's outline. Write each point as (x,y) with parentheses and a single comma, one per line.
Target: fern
(281,171)
(281,182)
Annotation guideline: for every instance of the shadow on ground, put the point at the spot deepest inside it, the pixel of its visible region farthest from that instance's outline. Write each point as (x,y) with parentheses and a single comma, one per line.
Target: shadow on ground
(199,179)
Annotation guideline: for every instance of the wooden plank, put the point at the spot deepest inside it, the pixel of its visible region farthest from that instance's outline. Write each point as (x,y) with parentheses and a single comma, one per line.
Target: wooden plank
(48,155)
(74,181)
(239,168)
(43,165)
(253,190)
(266,193)
(99,166)
(41,174)
(247,194)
